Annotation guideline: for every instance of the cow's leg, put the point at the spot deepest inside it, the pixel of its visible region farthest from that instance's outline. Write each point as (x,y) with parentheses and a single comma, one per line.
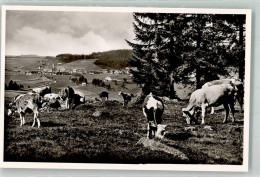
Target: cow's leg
(24,120)
(203,110)
(38,120)
(226,107)
(148,127)
(34,117)
(212,110)
(240,101)
(148,130)
(21,118)
(231,106)
(67,103)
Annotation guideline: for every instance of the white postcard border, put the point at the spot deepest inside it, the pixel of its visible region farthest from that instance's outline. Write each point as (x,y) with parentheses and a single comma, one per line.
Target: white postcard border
(166,167)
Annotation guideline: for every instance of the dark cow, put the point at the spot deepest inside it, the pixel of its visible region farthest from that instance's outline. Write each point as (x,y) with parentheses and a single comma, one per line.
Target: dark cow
(67,94)
(127,97)
(72,98)
(153,108)
(104,95)
(42,90)
(214,95)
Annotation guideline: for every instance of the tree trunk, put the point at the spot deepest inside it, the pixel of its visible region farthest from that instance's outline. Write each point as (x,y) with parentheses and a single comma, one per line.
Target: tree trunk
(241,66)
(172,94)
(198,77)
(198,71)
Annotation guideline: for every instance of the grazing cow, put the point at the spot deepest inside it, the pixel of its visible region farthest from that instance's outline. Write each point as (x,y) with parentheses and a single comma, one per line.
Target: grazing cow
(103,95)
(42,90)
(28,103)
(67,94)
(153,108)
(127,97)
(236,82)
(214,95)
(81,95)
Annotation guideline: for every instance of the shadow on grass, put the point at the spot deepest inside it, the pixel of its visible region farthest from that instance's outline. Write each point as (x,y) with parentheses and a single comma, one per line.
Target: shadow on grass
(178,136)
(51,124)
(240,122)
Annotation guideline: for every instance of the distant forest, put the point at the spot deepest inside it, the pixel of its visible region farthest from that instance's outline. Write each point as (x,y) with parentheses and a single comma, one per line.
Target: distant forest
(114,59)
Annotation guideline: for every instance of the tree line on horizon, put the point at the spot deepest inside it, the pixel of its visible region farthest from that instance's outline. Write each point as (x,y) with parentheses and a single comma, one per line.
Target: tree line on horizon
(170,48)
(115,59)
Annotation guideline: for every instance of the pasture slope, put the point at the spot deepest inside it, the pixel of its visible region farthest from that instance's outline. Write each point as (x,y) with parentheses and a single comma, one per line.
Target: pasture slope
(78,136)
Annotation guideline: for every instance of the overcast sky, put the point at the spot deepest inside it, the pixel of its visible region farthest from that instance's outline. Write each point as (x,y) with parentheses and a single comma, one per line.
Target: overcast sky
(52,33)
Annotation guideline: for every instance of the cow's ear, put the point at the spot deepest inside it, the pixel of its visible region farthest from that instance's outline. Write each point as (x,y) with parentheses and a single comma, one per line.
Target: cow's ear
(164,126)
(66,91)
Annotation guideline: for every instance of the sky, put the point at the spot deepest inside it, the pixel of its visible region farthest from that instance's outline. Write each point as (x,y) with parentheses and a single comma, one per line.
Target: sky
(52,33)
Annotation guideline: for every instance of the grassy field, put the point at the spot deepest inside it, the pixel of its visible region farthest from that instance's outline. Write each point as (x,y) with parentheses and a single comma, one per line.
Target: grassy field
(78,136)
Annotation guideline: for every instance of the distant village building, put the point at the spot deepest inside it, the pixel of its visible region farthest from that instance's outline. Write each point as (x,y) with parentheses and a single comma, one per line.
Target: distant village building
(108,79)
(47,70)
(61,69)
(116,72)
(74,70)
(104,71)
(28,73)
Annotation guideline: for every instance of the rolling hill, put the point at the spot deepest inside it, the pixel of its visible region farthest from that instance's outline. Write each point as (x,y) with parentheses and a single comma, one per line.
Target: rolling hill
(113,59)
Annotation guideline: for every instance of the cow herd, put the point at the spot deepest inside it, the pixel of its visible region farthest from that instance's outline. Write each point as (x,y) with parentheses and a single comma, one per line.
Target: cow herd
(42,98)
(215,93)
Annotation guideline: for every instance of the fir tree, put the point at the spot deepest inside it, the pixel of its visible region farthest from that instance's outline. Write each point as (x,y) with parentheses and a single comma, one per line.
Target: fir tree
(155,55)
(205,54)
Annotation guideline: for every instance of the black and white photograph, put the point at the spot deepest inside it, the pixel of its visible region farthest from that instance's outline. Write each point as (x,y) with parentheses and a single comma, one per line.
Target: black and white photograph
(125,88)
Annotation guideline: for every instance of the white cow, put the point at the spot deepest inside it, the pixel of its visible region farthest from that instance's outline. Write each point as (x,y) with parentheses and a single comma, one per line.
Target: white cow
(214,95)
(236,82)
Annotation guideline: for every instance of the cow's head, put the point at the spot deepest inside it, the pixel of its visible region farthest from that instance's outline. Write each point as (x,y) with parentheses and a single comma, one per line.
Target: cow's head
(190,117)
(10,112)
(185,114)
(160,132)
(14,101)
(63,93)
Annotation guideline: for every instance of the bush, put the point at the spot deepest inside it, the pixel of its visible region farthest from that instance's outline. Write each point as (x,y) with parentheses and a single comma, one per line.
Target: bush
(13,86)
(97,82)
(79,80)
(82,79)
(115,81)
(100,83)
